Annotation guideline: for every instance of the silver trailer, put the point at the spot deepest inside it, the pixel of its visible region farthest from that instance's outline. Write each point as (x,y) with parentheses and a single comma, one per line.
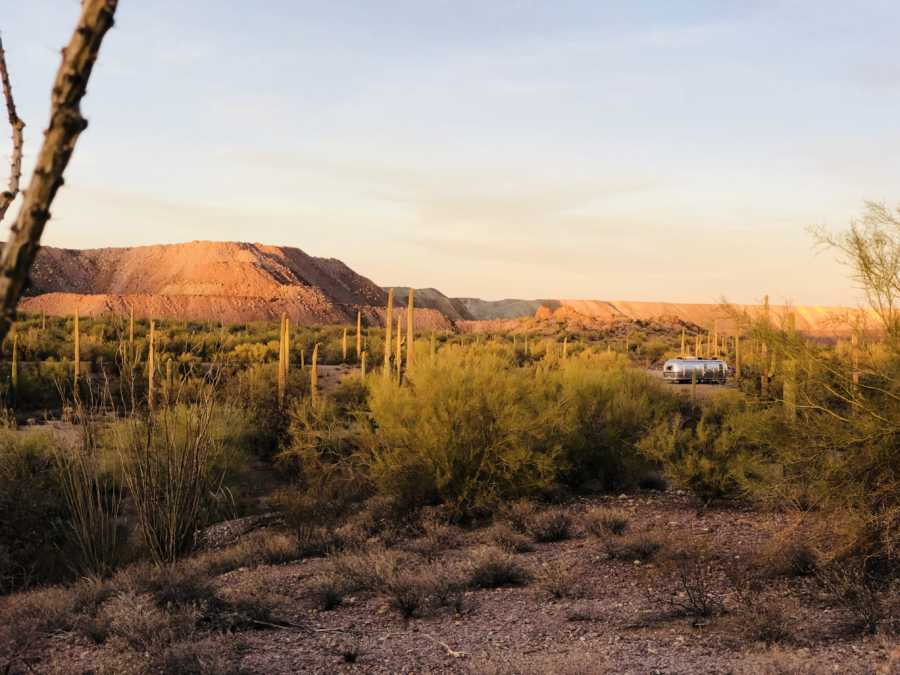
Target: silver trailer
(709,371)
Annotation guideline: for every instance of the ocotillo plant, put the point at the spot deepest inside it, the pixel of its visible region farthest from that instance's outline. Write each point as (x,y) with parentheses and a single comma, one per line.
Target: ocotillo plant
(77,336)
(358,335)
(410,330)
(388,323)
(314,373)
(151,364)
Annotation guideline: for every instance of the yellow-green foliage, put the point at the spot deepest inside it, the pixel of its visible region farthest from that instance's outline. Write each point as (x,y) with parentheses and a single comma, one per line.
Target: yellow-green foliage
(725,452)
(467,430)
(472,428)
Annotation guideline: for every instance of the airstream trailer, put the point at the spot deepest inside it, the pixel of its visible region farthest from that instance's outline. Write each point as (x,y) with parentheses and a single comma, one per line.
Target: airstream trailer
(710,371)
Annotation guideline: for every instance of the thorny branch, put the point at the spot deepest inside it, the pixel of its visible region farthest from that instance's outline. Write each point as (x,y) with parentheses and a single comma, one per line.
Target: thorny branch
(15,162)
(66,124)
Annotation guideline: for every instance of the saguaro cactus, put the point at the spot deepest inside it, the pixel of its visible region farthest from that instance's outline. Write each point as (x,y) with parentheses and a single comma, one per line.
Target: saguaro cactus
(151,364)
(344,346)
(170,382)
(565,348)
(683,336)
(388,324)
(77,348)
(314,373)
(789,390)
(281,372)
(399,356)
(362,366)
(410,330)
(14,371)
(358,335)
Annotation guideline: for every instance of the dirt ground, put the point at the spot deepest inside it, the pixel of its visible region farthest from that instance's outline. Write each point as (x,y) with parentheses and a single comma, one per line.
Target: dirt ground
(611,624)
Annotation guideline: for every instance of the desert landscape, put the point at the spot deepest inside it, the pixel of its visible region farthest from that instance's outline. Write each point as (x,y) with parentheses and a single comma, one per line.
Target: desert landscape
(220,457)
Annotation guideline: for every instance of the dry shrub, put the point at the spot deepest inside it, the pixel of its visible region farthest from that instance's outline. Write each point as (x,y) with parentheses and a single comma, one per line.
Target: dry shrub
(436,538)
(491,567)
(770,621)
(873,602)
(43,611)
(211,656)
(789,555)
(326,591)
(684,581)
(502,535)
(641,546)
(519,514)
(263,547)
(560,580)
(139,622)
(409,591)
(367,569)
(550,525)
(602,521)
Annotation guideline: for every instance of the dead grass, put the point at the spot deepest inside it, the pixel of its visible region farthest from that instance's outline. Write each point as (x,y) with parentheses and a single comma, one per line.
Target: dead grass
(492,567)
(505,537)
(642,546)
(540,664)
(550,525)
(602,521)
(778,661)
(560,580)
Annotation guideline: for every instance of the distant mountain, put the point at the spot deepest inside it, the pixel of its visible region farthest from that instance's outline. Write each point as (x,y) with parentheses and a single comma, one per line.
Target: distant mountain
(229,281)
(240,282)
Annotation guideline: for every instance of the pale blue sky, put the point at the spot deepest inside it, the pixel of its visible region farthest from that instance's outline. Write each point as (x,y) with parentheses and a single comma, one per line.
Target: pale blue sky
(622,150)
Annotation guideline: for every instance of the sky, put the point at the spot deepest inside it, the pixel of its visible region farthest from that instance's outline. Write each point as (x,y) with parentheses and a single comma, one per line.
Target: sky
(667,150)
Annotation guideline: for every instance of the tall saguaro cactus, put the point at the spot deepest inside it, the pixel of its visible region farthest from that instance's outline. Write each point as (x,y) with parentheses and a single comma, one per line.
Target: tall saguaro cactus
(410,330)
(151,364)
(314,374)
(388,324)
(682,342)
(14,371)
(362,366)
(282,361)
(358,335)
(77,348)
(399,357)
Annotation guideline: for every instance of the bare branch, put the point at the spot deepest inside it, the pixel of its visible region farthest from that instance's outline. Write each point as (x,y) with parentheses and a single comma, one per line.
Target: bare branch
(15,162)
(66,124)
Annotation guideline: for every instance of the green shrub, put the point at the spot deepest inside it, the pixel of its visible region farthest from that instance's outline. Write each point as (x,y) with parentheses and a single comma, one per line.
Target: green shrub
(34,515)
(467,430)
(725,452)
